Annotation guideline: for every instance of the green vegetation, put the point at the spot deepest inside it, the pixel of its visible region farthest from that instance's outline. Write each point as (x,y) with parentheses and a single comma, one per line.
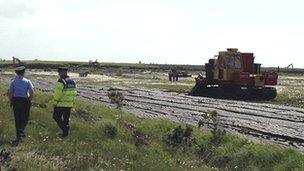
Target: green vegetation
(100,139)
(116,98)
(290,96)
(37,64)
(290,90)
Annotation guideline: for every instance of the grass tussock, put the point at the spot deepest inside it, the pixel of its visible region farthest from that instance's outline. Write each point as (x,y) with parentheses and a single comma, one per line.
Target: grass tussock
(130,143)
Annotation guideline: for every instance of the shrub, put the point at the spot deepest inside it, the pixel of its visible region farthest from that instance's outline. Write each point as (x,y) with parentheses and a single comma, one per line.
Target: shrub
(140,138)
(110,131)
(180,137)
(212,119)
(116,98)
(208,150)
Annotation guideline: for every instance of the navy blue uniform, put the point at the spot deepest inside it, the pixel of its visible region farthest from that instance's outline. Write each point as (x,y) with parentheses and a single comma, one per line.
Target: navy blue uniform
(21,103)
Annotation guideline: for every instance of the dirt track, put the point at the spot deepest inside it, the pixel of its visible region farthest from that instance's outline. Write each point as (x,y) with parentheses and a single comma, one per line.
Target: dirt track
(263,122)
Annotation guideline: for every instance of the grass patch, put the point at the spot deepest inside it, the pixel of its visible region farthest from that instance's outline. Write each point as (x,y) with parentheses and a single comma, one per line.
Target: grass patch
(290,90)
(37,64)
(130,143)
(290,96)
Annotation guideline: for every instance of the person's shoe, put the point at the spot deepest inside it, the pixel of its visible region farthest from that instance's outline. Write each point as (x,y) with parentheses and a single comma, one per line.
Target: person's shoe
(65,134)
(22,137)
(16,142)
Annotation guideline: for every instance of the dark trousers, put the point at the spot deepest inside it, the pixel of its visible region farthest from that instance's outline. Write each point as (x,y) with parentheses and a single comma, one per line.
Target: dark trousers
(62,116)
(21,107)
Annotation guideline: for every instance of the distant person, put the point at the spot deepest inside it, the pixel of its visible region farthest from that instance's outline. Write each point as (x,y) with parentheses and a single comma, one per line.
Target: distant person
(174,74)
(21,92)
(64,98)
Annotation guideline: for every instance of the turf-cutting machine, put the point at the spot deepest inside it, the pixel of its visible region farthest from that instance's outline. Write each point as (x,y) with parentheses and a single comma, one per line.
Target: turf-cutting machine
(234,75)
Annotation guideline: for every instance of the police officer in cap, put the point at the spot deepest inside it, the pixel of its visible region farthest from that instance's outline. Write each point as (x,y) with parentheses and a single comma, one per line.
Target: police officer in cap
(64,97)
(21,92)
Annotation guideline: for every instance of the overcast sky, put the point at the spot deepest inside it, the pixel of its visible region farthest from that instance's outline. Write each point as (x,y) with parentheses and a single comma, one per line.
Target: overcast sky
(158,31)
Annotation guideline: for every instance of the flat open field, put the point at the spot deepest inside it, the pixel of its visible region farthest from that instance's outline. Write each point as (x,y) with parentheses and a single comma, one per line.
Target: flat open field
(149,94)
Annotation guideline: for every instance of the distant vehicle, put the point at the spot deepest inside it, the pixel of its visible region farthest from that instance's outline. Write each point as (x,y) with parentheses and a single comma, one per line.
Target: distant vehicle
(178,72)
(290,66)
(233,74)
(17,62)
(94,63)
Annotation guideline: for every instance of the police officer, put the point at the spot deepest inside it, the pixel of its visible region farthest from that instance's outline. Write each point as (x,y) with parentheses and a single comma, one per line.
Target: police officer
(64,97)
(21,92)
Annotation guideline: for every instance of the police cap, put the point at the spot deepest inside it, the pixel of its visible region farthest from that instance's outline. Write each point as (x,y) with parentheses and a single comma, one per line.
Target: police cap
(20,68)
(62,69)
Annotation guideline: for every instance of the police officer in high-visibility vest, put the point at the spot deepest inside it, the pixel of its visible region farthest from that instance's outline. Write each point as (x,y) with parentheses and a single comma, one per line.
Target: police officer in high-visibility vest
(64,97)
(20,93)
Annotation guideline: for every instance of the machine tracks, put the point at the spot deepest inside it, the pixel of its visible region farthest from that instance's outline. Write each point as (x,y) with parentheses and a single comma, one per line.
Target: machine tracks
(262,122)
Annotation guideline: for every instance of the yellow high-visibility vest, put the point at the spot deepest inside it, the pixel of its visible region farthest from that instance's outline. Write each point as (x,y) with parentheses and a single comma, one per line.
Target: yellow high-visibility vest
(65,93)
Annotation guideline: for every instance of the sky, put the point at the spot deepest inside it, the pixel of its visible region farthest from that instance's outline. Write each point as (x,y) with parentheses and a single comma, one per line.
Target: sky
(152,31)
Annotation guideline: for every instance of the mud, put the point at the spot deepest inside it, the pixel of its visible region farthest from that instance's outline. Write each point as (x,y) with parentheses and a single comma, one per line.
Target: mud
(266,123)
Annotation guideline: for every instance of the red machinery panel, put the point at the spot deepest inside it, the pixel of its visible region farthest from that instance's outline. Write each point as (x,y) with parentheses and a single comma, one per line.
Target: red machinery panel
(242,78)
(247,62)
(271,78)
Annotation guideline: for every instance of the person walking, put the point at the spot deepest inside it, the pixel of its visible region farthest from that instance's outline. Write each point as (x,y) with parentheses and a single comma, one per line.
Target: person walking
(21,92)
(64,98)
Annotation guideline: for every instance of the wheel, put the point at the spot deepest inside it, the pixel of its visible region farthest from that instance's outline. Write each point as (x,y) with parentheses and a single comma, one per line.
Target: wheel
(236,93)
(257,94)
(269,93)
